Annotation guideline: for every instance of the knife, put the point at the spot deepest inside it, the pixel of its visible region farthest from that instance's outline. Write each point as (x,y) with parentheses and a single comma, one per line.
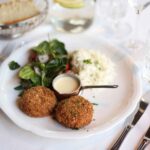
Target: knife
(145,141)
(142,107)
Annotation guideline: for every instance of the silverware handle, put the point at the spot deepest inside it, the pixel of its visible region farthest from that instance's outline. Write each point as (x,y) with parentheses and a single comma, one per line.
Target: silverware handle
(99,86)
(143,144)
(121,138)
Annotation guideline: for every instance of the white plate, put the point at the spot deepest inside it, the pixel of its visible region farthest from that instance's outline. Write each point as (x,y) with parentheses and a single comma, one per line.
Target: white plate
(114,105)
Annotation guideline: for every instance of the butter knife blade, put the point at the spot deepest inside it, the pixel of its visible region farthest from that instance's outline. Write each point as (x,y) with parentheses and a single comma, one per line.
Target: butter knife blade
(142,107)
(147,135)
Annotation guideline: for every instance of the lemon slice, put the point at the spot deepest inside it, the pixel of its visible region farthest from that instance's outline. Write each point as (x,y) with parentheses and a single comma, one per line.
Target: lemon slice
(70,3)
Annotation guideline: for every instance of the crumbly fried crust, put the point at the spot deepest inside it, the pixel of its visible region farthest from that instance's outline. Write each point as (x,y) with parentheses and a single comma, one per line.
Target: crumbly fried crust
(38,101)
(74,112)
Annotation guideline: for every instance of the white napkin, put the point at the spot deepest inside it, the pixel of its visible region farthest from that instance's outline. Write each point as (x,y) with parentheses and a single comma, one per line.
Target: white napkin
(136,134)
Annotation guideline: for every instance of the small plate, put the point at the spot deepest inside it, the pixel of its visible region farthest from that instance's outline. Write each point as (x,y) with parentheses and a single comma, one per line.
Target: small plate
(114,105)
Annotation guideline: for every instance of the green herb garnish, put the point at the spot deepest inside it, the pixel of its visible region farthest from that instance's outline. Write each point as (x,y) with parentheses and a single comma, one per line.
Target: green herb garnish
(95,104)
(87,61)
(13,65)
(19,87)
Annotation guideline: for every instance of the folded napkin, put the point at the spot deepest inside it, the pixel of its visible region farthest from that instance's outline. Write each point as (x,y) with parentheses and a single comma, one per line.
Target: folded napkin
(136,134)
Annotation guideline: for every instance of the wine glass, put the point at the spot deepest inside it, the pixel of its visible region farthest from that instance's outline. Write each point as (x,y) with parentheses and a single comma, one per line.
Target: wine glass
(140,50)
(136,47)
(138,5)
(113,12)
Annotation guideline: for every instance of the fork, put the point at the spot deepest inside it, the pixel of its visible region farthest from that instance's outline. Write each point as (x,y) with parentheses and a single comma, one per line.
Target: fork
(130,125)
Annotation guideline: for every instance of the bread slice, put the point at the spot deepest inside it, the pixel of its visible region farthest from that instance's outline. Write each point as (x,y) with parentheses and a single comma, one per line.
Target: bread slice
(17,10)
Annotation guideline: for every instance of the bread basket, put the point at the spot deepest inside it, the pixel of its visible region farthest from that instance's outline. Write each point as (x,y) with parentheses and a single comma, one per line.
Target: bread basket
(17,29)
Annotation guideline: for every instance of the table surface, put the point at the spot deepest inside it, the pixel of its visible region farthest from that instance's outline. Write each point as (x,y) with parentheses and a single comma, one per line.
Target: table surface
(14,138)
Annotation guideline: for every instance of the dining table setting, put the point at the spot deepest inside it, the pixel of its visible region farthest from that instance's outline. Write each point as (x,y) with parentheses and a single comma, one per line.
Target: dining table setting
(74,75)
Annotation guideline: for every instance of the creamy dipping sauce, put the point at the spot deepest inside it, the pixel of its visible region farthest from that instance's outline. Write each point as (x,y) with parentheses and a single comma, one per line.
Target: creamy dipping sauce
(66,84)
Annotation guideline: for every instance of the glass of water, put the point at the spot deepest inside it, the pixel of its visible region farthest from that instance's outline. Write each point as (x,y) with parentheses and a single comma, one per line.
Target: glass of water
(72,19)
(113,12)
(135,43)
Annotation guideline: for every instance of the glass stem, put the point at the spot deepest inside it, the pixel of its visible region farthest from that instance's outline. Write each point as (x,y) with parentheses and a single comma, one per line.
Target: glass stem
(136,28)
(115,23)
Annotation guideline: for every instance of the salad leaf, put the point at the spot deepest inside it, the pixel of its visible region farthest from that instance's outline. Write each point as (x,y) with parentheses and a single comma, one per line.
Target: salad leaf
(13,65)
(54,67)
(36,80)
(42,48)
(58,47)
(26,72)
(53,48)
(53,64)
(43,76)
(26,84)
(42,73)
(47,81)
(41,66)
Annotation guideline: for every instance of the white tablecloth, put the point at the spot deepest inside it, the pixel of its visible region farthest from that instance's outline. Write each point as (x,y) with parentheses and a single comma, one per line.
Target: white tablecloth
(14,138)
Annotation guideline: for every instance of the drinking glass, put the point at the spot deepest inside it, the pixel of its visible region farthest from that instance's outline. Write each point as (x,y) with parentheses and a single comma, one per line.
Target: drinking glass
(72,20)
(138,5)
(137,48)
(113,12)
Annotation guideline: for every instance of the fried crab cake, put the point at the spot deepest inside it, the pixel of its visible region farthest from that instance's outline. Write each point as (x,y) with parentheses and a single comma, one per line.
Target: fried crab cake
(38,101)
(74,112)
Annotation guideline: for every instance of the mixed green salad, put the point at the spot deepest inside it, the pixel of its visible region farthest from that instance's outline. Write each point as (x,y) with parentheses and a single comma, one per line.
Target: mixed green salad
(46,61)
